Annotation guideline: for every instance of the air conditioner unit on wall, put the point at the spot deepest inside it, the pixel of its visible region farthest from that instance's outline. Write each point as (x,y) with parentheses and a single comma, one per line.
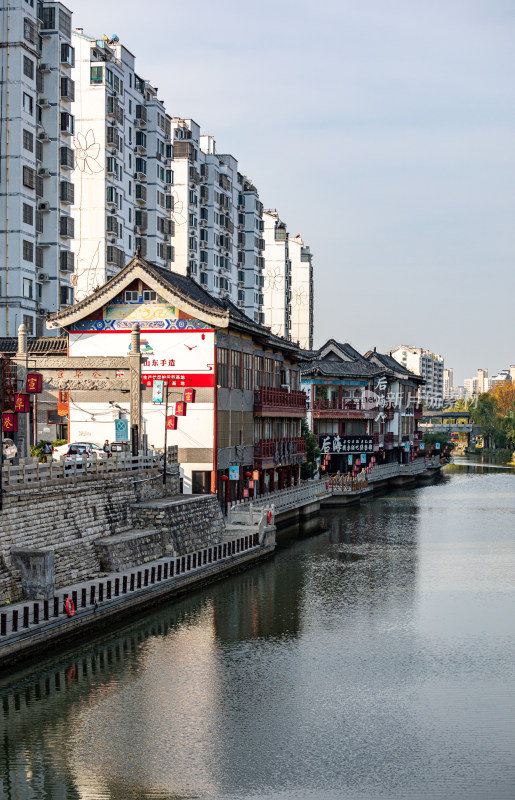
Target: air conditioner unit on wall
(42,312)
(44,205)
(43,277)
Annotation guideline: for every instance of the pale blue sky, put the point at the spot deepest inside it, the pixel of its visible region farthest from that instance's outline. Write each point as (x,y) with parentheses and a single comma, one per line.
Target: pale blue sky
(381,130)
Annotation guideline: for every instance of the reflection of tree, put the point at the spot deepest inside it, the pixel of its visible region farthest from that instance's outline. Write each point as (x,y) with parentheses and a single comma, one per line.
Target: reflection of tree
(87,151)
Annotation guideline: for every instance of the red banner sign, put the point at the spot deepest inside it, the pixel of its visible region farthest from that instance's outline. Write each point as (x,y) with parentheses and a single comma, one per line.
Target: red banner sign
(171,423)
(34,383)
(21,402)
(180,408)
(180,379)
(9,421)
(189,395)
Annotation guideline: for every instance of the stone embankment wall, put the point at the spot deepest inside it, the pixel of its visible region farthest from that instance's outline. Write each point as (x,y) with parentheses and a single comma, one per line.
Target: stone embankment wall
(172,526)
(69,515)
(187,523)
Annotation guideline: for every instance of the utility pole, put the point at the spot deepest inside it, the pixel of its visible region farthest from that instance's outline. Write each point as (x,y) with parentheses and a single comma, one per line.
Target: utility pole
(166,431)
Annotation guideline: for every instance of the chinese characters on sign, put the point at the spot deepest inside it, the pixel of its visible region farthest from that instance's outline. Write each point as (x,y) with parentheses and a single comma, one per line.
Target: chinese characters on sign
(34,383)
(9,421)
(333,443)
(180,408)
(21,402)
(189,395)
(171,423)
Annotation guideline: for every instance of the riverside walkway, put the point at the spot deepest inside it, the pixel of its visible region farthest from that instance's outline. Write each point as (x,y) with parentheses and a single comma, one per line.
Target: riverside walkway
(310,494)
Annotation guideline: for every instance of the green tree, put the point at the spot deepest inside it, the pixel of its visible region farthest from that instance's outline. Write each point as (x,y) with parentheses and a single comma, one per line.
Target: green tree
(312,451)
(486,414)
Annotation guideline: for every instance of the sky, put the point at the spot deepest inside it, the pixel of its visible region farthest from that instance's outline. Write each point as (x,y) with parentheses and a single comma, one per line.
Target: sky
(381,130)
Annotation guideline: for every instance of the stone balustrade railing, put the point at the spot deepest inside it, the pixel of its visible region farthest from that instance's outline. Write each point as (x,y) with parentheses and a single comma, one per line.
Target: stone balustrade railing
(30,470)
(283,499)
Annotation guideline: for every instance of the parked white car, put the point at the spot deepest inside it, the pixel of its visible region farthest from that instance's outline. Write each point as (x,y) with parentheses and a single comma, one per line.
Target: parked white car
(64,449)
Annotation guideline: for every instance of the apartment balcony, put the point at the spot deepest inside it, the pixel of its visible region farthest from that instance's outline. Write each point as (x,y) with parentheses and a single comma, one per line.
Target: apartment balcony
(270,402)
(417,411)
(344,409)
(274,452)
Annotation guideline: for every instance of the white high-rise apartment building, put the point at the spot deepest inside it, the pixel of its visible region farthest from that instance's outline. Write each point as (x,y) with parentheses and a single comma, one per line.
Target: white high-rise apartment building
(448,383)
(216,220)
(301,292)
(35,163)
(277,276)
(288,282)
(251,245)
(427,364)
(123,169)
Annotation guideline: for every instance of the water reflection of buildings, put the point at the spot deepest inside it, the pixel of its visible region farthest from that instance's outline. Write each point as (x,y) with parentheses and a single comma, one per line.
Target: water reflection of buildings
(99,723)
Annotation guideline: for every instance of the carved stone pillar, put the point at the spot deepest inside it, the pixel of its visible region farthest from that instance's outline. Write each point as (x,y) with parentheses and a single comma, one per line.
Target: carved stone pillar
(135,379)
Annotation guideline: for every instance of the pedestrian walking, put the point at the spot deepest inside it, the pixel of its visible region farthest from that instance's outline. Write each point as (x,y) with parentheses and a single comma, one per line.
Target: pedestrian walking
(107,448)
(47,452)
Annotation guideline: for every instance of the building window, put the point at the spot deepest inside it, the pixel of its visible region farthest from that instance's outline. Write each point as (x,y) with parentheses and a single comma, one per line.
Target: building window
(47,17)
(258,372)
(28,321)
(131,297)
(28,104)
(28,141)
(235,369)
(28,255)
(66,296)
(247,371)
(28,67)
(29,30)
(27,288)
(67,123)
(67,55)
(149,296)
(97,75)
(222,366)
(28,214)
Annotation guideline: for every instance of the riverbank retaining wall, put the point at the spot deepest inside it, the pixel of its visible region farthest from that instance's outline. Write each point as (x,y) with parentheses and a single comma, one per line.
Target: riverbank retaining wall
(69,515)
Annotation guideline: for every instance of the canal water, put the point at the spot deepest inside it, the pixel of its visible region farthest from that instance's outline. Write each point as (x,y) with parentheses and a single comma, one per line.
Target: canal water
(372,659)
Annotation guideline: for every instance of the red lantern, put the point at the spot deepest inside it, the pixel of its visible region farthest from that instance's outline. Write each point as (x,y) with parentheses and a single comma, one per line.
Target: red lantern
(248,474)
(224,477)
(189,395)
(9,422)
(180,408)
(34,383)
(171,423)
(21,402)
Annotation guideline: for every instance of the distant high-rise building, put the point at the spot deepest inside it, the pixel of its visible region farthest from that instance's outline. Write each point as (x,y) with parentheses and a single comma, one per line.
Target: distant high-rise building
(301,292)
(123,169)
(448,383)
(36,160)
(427,364)
(288,282)
(482,381)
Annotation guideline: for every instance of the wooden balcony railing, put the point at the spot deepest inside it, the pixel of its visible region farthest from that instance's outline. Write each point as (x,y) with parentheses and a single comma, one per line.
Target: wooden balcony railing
(269,398)
(279,450)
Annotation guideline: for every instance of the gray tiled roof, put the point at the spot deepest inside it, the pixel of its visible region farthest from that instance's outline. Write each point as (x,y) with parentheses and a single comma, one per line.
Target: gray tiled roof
(41,345)
(339,369)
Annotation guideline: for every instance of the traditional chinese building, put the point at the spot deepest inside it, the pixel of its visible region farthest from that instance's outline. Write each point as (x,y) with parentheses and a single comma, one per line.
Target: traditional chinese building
(151,351)
(358,406)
